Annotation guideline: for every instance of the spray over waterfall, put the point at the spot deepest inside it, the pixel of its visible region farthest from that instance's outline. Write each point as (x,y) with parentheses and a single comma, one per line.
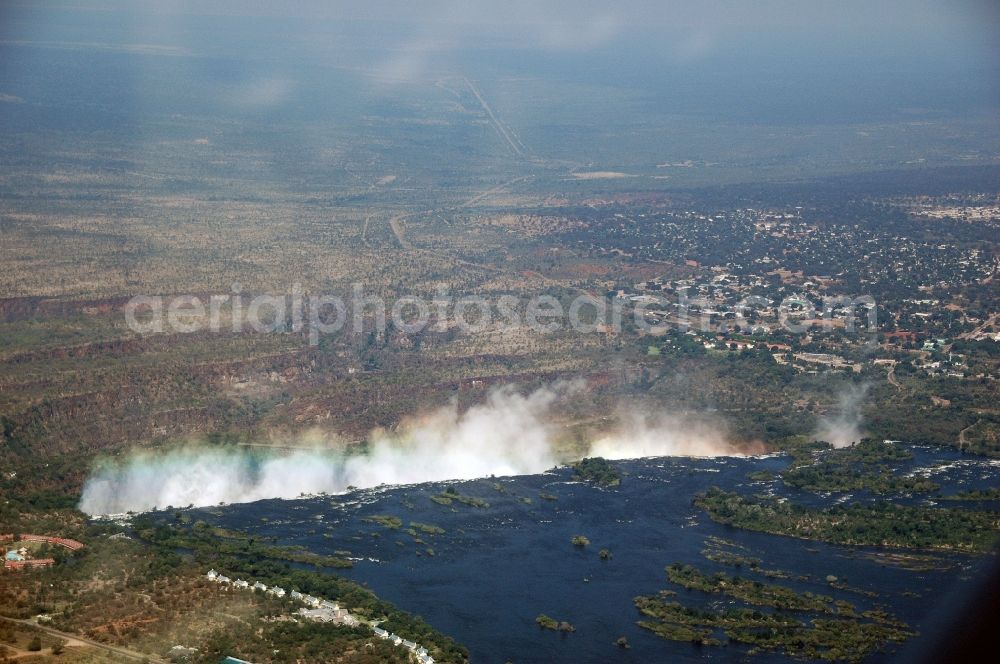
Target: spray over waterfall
(844,425)
(508,434)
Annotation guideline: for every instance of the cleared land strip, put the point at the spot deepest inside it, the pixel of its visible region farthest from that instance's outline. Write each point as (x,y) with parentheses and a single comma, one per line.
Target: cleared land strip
(514,144)
(397,229)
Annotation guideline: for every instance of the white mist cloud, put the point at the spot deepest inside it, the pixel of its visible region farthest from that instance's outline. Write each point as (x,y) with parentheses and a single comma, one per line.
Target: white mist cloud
(843,426)
(651,435)
(508,434)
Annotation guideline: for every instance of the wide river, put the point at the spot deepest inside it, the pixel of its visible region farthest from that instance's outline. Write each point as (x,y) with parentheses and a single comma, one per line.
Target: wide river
(496,568)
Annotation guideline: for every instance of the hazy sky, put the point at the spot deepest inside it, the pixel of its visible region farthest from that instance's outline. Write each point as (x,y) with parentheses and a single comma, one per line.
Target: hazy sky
(961,31)
(767,60)
(901,14)
(593,21)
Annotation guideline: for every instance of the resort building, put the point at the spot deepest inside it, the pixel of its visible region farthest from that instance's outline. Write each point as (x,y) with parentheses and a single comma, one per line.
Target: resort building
(34,562)
(72,545)
(322,610)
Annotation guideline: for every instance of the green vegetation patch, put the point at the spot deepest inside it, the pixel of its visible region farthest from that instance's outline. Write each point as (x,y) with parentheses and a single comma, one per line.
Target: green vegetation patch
(861,467)
(975,495)
(202,537)
(728,553)
(824,639)
(451,495)
(837,634)
(391,522)
(598,471)
(427,528)
(545,622)
(914,562)
(730,558)
(753,592)
(880,524)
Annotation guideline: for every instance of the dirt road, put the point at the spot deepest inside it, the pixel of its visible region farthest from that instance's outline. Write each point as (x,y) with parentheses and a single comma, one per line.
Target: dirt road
(124,653)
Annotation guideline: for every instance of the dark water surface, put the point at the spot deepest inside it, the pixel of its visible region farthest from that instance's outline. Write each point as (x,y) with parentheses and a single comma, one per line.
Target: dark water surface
(496,568)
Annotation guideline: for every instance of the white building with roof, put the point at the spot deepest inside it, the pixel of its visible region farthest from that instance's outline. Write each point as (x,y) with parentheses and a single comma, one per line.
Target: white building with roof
(326,610)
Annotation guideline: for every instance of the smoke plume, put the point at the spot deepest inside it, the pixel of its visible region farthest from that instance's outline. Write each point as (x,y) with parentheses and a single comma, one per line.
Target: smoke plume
(843,426)
(508,434)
